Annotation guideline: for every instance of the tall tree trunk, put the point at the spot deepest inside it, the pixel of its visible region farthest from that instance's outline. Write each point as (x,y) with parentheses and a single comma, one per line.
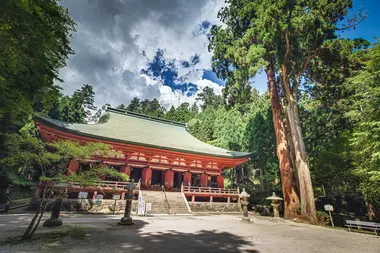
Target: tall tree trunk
(304,179)
(291,199)
(370,210)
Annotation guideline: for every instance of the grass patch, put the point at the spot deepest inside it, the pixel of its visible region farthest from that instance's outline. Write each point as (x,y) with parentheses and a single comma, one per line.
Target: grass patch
(74,232)
(16,201)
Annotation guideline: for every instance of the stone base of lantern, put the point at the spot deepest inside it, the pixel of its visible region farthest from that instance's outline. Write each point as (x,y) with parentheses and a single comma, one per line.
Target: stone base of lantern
(53,223)
(126,221)
(246,219)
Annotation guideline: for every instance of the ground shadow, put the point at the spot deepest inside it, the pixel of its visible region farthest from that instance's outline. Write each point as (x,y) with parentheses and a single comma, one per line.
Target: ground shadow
(102,234)
(200,241)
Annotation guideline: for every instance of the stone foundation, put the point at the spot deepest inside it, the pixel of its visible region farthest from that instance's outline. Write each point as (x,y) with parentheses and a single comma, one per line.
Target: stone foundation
(88,206)
(214,207)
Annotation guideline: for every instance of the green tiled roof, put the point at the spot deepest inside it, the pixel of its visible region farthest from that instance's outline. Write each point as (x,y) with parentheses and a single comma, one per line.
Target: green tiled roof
(132,128)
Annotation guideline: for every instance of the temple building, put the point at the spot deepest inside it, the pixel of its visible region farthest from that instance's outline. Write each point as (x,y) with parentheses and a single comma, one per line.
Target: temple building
(156,152)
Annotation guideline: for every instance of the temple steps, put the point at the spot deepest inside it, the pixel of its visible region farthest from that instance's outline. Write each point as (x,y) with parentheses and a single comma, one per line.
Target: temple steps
(157,198)
(160,205)
(177,203)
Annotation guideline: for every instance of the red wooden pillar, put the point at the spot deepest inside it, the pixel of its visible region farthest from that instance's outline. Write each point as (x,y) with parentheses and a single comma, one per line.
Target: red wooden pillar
(220,181)
(125,169)
(73,167)
(146,177)
(187,179)
(204,180)
(169,176)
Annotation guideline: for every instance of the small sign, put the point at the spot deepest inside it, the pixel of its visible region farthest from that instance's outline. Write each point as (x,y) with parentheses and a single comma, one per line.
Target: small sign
(329,208)
(141,207)
(82,195)
(99,197)
(148,207)
(116,196)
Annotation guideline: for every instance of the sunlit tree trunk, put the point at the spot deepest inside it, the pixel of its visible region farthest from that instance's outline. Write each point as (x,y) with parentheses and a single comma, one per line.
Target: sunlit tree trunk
(370,210)
(289,186)
(304,178)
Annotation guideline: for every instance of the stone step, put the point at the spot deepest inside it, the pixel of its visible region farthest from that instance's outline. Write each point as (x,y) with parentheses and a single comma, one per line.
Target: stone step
(159,202)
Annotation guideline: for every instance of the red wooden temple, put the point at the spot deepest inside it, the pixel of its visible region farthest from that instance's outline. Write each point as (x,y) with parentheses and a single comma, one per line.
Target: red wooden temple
(155,151)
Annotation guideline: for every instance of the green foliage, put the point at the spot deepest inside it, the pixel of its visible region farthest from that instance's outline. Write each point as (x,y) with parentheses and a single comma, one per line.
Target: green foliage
(34,45)
(209,98)
(134,105)
(365,114)
(182,114)
(323,218)
(72,109)
(88,177)
(228,129)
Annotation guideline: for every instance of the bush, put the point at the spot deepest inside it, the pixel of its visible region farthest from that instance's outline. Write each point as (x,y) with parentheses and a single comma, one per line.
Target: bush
(263,210)
(323,218)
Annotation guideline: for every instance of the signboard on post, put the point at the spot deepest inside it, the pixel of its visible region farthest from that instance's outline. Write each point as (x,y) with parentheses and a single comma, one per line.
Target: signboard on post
(99,199)
(148,207)
(82,195)
(116,196)
(330,209)
(141,207)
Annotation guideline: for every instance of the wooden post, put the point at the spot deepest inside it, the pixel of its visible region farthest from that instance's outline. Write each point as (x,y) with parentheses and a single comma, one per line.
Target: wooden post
(94,195)
(125,169)
(187,178)
(211,199)
(204,180)
(193,198)
(146,177)
(228,200)
(169,176)
(220,181)
(122,195)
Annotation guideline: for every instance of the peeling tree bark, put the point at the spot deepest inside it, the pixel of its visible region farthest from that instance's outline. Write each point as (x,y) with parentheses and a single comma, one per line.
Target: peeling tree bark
(304,178)
(289,185)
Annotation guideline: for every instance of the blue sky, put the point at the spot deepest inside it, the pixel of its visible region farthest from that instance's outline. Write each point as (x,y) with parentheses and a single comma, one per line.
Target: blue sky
(368,29)
(142,48)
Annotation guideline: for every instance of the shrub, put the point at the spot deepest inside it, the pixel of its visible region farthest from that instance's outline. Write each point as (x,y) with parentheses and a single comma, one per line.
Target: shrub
(263,210)
(323,218)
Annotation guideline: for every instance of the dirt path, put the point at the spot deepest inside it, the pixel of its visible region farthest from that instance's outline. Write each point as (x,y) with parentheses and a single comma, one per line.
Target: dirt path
(183,234)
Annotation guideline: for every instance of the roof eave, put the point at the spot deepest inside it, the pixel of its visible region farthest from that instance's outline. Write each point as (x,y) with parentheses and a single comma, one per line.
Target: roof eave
(64,129)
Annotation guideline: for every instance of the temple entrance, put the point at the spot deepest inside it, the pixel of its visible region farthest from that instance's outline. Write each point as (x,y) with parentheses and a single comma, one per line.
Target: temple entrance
(136,174)
(178,179)
(196,180)
(157,176)
(213,182)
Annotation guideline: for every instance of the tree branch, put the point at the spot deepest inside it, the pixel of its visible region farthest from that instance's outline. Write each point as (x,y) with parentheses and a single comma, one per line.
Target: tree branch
(353,25)
(304,67)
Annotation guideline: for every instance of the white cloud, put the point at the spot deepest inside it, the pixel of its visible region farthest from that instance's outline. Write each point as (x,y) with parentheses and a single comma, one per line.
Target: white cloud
(110,39)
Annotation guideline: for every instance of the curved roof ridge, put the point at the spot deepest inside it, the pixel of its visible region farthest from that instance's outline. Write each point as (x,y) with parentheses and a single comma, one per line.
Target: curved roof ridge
(144,116)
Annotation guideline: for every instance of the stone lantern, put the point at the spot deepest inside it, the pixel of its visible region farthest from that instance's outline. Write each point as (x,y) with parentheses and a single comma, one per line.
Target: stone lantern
(244,202)
(275,203)
(127,219)
(61,190)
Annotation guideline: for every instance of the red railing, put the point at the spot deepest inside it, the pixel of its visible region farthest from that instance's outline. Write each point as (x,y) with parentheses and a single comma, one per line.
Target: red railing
(209,190)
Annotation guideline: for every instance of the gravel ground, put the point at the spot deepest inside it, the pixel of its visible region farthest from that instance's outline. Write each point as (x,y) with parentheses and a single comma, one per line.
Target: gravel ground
(182,234)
